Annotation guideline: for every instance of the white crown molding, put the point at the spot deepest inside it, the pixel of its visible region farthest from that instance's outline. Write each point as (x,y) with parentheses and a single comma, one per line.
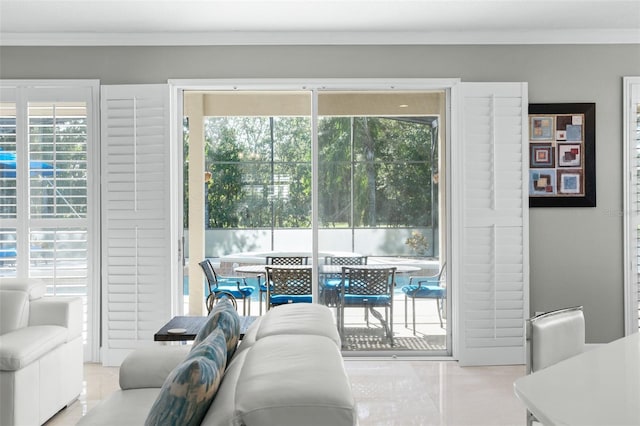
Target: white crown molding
(588,36)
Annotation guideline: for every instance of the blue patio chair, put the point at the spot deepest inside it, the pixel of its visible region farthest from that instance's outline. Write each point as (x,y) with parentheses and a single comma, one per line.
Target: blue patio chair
(235,286)
(331,281)
(368,287)
(278,261)
(214,298)
(287,260)
(425,287)
(288,284)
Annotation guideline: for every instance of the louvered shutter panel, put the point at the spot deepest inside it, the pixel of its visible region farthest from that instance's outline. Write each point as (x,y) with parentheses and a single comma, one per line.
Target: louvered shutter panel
(632,206)
(491,252)
(635,137)
(135,217)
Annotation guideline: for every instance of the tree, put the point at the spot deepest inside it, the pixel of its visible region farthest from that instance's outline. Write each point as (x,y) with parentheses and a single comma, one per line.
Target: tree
(373,171)
(334,188)
(224,189)
(391,167)
(261,174)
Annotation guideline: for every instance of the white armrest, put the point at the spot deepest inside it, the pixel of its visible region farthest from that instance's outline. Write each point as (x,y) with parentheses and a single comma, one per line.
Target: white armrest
(58,310)
(149,367)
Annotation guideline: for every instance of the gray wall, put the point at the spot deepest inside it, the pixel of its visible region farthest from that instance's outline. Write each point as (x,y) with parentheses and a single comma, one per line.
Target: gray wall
(576,253)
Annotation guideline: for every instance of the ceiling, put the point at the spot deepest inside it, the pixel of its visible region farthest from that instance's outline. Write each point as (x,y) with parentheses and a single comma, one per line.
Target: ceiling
(229,22)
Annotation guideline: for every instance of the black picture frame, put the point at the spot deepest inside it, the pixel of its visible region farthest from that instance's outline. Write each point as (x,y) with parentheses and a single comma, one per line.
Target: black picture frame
(568,177)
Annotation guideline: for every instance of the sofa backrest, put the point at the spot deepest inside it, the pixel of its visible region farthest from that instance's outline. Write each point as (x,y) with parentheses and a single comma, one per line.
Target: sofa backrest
(15,295)
(14,310)
(34,287)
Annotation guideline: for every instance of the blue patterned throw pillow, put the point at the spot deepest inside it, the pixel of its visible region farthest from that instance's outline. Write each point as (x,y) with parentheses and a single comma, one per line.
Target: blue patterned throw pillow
(188,391)
(224,317)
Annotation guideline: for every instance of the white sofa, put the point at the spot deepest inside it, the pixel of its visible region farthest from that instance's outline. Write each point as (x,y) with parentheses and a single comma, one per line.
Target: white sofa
(288,370)
(41,356)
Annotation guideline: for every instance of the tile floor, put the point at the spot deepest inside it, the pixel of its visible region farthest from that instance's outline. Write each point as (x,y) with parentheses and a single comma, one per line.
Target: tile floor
(392,392)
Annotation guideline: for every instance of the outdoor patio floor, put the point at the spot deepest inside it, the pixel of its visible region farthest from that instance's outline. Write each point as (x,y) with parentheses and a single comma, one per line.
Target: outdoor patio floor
(360,337)
(429,336)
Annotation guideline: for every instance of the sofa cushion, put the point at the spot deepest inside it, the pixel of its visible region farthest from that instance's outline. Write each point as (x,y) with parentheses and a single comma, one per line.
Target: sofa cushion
(294,318)
(123,407)
(300,318)
(223,317)
(223,408)
(285,380)
(187,393)
(14,310)
(21,347)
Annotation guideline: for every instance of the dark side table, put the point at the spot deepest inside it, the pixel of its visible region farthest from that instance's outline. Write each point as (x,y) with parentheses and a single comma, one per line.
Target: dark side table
(192,325)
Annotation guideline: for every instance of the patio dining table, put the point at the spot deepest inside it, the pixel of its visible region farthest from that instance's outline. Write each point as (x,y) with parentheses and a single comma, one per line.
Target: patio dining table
(324,269)
(261,268)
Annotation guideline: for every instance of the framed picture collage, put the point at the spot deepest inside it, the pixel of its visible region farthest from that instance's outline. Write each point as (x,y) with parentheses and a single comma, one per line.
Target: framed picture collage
(562,155)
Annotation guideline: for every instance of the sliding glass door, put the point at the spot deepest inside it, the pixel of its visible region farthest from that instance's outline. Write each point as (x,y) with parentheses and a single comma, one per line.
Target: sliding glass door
(379,196)
(252,193)
(370,175)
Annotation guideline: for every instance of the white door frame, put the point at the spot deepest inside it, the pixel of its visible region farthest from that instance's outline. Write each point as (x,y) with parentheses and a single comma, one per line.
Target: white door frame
(178,87)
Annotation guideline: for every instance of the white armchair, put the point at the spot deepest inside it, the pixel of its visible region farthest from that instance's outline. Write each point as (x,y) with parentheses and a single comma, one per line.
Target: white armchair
(553,337)
(41,357)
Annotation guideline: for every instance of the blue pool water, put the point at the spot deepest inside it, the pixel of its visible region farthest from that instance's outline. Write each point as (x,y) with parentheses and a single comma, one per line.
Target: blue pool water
(401,280)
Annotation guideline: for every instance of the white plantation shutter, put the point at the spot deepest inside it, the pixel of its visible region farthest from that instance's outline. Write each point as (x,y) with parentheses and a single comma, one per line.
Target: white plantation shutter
(631,217)
(490,250)
(635,208)
(49,195)
(135,217)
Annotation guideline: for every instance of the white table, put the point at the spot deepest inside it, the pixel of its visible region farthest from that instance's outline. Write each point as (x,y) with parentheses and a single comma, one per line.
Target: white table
(324,269)
(598,387)
(262,268)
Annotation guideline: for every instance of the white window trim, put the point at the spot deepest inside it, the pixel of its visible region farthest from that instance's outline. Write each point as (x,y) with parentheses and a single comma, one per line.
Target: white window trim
(92,351)
(631,94)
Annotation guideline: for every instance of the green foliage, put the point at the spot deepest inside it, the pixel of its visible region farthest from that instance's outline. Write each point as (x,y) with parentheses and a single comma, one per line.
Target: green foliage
(418,243)
(224,190)
(373,172)
(391,165)
(185,173)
